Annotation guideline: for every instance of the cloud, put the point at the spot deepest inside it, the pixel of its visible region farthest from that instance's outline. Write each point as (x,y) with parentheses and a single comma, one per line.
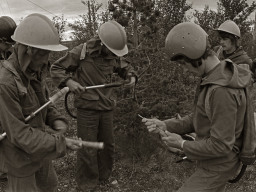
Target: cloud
(18,9)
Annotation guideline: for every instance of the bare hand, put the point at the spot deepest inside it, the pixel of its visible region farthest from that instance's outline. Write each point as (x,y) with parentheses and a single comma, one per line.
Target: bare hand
(74,144)
(172,140)
(75,86)
(60,126)
(155,126)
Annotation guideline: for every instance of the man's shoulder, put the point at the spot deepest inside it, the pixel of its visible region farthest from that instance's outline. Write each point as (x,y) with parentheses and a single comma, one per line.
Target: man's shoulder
(77,49)
(7,75)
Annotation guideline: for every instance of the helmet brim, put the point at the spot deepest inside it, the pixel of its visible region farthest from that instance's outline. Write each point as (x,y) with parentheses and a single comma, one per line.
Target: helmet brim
(51,47)
(57,47)
(117,52)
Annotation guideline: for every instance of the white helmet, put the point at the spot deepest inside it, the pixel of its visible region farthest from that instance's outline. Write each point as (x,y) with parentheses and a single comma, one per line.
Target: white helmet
(113,36)
(230,27)
(186,39)
(38,31)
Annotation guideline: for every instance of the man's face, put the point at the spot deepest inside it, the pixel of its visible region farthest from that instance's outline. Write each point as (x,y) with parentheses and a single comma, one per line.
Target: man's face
(227,45)
(39,58)
(106,51)
(188,67)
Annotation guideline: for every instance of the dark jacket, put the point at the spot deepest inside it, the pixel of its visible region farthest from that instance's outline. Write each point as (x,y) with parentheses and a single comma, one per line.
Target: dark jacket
(218,118)
(27,144)
(90,67)
(5,54)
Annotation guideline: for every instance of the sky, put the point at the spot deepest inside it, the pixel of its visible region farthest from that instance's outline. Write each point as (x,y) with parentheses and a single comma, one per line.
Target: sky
(21,8)
(70,8)
(18,9)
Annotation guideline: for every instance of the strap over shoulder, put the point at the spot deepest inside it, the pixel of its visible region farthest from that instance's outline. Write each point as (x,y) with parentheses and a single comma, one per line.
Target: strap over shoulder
(207,99)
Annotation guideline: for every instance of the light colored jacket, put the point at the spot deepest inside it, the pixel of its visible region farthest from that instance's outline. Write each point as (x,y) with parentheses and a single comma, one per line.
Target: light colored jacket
(90,67)
(218,118)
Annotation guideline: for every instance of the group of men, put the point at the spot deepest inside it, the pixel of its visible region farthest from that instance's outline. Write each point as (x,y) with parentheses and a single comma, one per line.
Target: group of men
(29,146)
(219,117)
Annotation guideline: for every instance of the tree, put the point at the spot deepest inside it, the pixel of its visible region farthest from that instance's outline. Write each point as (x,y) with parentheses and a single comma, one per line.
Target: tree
(173,12)
(86,25)
(60,23)
(140,15)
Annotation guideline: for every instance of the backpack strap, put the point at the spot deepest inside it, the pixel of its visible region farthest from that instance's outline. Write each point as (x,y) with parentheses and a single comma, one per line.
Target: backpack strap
(207,100)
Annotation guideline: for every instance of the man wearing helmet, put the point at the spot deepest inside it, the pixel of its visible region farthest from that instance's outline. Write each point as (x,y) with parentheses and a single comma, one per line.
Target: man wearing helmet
(229,34)
(93,63)
(7,27)
(28,147)
(221,112)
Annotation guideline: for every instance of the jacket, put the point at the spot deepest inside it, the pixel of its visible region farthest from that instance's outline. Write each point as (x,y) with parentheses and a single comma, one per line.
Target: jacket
(5,54)
(218,118)
(90,67)
(238,57)
(27,144)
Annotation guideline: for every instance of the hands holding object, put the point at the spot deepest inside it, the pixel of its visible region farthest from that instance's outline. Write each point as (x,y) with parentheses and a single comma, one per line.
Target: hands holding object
(73,144)
(173,141)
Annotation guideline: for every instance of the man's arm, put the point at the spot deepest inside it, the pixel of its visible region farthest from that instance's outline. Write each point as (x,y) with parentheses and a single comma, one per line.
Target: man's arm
(34,142)
(125,70)
(62,68)
(180,126)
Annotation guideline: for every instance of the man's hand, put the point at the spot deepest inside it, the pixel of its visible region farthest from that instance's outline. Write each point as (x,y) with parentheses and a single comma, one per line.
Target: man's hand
(173,140)
(60,126)
(2,136)
(131,82)
(155,126)
(74,144)
(75,86)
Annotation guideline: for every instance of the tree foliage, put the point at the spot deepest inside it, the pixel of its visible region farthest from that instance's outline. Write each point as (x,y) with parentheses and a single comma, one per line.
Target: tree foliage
(173,12)
(87,24)
(60,23)
(140,15)
(236,10)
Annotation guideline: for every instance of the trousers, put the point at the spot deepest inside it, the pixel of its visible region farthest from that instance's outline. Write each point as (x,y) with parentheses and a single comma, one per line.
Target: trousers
(94,166)
(44,180)
(209,181)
